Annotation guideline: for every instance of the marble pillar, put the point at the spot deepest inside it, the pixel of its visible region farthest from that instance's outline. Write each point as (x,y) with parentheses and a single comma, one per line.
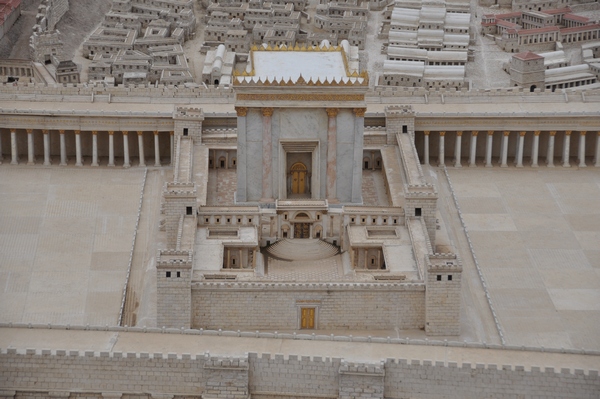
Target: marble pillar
(597,155)
(550,153)
(141,148)
(172,144)
(46,134)
(111,148)
(242,190)
(156,149)
(94,148)
(457,150)
(78,161)
(426,148)
(488,149)
(442,150)
(504,156)
(566,149)
(582,149)
(14,156)
(520,147)
(473,149)
(359,130)
(536,149)
(331,191)
(63,148)
(126,163)
(30,149)
(267,159)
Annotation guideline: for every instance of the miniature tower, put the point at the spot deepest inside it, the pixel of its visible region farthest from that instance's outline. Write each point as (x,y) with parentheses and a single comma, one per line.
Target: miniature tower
(173,288)
(442,294)
(527,70)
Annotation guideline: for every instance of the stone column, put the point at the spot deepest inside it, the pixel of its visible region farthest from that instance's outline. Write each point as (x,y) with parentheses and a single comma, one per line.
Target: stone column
(331,153)
(597,160)
(488,149)
(126,163)
(359,129)
(426,148)
(63,148)
(504,156)
(13,147)
(1,148)
(536,149)
(172,144)
(473,152)
(520,149)
(94,148)
(241,191)
(457,149)
(442,150)
(566,149)
(582,149)
(46,147)
(550,154)
(78,148)
(156,149)
(111,148)
(267,145)
(30,154)
(141,148)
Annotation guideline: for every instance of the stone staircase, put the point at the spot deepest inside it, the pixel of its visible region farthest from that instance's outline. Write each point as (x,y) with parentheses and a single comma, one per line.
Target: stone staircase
(302,249)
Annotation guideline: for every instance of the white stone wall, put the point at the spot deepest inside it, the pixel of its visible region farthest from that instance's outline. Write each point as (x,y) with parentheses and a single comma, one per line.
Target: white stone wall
(256,306)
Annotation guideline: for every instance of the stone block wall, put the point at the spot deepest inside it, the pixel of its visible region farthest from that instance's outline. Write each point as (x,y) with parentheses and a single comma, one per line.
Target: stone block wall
(72,374)
(399,119)
(442,303)
(173,294)
(258,306)
(178,198)
(421,201)
(188,122)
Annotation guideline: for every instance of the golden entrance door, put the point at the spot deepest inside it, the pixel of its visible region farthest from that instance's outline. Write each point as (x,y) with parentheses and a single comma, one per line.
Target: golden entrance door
(307,318)
(298,178)
(301,230)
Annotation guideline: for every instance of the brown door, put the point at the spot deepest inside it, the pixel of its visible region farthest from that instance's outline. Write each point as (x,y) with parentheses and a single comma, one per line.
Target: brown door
(301,230)
(307,318)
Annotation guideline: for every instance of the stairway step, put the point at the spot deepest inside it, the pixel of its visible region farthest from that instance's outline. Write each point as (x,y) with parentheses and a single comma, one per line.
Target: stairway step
(302,249)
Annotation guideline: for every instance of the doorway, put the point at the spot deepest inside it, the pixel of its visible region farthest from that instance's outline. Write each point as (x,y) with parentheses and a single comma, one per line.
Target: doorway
(301,230)
(298,172)
(307,318)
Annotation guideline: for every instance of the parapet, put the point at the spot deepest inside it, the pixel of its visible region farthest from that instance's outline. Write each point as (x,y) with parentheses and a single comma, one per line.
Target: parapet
(399,110)
(189,113)
(180,189)
(444,262)
(168,258)
(419,190)
(362,368)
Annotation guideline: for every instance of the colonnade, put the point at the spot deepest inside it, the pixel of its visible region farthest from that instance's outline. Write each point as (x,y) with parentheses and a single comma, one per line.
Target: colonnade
(533,151)
(79,161)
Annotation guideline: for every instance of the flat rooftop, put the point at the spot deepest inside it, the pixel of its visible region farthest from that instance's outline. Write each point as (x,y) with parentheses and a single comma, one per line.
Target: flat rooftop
(292,64)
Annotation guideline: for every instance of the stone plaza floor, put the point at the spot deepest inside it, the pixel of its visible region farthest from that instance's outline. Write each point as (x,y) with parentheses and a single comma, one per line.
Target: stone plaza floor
(65,241)
(536,234)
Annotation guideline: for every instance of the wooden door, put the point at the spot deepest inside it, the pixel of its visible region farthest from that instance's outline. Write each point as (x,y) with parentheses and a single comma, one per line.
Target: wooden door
(307,318)
(301,230)
(298,178)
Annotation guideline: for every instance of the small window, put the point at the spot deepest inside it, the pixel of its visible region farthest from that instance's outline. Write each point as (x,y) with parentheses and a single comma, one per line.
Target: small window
(404,129)
(352,220)
(439,277)
(228,220)
(417,211)
(239,220)
(188,210)
(318,216)
(449,277)
(206,220)
(178,274)
(185,131)
(395,221)
(250,220)
(168,274)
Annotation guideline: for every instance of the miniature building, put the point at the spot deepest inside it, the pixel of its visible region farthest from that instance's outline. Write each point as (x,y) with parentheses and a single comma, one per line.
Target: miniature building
(67,72)
(527,70)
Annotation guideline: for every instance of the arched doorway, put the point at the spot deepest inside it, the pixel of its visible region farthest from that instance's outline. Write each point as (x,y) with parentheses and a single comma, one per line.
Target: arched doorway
(298,172)
(302,223)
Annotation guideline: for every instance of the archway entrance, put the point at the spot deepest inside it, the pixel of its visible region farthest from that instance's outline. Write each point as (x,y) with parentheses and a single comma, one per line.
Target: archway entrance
(302,224)
(298,172)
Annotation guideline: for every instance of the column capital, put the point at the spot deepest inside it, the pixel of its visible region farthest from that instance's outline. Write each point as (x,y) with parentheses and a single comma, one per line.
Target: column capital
(94,132)
(474,133)
(140,132)
(267,111)
(442,134)
(15,131)
(459,133)
(568,132)
(553,133)
(61,131)
(29,131)
(522,134)
(45,131)
(537,133)
(156,132)
(110,132)
(125,132)
(77,131)
(332,112)
(172,133)
(506,133)
(582,133)
(426,132)
(490,132)
(241,111)
(359,112)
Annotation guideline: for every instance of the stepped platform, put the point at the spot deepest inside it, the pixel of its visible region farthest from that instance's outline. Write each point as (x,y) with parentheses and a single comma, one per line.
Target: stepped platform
(302,249)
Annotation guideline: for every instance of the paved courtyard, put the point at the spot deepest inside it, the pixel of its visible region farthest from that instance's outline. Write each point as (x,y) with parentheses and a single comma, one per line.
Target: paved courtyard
(65,241)
(536,234)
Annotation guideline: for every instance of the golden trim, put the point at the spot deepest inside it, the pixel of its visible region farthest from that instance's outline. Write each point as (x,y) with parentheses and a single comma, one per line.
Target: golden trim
(442,134)
(140,132)
(156,132)
(582,133)
(568,132)
(267,111)
(332,112)
(359,112)
(77,131)
(300,97)
(553,133)
(125,132)
(426,132)
(459,133)
(522,134)
(45,131)
(474,133)
(29,131)
(172,133)
(506,133)
(94,132)
(537,132)
(241,111)
(61,131)
(490,132)
(110,132)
